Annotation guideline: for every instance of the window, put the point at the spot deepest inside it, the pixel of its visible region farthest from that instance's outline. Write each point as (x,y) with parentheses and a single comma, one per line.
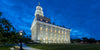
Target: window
(41,28)
(55,31)
(62,32)
(46,38)
(65,40)
(41,38)
(65,33)
(51,38)
(46,29)
(46,42)
(62,39)
(47,21)
(55,38)
(51,30)
(41,19)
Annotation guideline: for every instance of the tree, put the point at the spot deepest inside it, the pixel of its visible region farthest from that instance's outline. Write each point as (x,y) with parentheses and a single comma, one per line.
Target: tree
(8,34)
(92,40)
(85,39)
(75,40)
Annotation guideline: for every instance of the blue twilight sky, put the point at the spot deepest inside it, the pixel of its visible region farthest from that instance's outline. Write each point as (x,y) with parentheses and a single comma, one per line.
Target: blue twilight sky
(82,16)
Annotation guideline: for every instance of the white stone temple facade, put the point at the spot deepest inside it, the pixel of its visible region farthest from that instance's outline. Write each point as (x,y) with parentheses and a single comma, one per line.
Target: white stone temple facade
(42,31)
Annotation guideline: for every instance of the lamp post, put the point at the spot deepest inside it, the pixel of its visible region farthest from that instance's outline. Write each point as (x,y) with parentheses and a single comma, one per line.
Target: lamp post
(21,40)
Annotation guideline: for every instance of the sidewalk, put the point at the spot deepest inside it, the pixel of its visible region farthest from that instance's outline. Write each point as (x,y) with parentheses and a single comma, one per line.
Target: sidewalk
(26,48)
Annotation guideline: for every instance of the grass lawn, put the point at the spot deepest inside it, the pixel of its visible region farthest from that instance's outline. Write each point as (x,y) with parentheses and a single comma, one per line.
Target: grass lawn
(5,48)
(67,46)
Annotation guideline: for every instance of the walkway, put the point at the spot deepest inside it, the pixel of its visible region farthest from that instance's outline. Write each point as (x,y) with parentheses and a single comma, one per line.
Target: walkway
(26,48)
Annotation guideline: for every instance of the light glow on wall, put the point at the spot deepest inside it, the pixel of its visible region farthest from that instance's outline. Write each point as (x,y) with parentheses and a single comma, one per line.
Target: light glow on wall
(46,29)
(46,38)
(51,38)
(41,19)
(65,33)
(51,30)
(62,32)
(55,31)
(47,21)
(41,38)
(41,28)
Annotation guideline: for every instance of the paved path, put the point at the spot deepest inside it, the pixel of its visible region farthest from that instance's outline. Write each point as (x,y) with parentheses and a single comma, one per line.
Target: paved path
(26,48)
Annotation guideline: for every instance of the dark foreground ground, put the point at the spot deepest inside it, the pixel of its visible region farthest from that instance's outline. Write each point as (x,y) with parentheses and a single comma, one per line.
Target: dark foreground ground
(67,46)
(4,48)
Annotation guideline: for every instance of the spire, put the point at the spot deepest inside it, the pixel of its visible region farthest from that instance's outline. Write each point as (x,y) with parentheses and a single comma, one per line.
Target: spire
(39,10)
(39,3)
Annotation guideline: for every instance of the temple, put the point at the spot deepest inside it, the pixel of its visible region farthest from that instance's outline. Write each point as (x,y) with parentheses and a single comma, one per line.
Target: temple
(42,31)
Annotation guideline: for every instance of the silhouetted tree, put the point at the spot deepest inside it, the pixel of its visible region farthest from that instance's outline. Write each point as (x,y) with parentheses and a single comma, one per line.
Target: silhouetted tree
(75,40)
(85,39)
(8,34)
(92,40)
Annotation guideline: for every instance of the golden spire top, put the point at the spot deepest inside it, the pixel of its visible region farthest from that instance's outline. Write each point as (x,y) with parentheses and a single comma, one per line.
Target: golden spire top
(39,3)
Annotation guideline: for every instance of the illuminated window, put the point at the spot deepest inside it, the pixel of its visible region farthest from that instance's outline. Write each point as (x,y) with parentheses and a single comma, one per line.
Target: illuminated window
(59,32)
(41,19)
(41,28)
(47,21)
(46,42)
(65,40)
(51,30)
(41,38)
(55,31)
(62,39)
(55,42)
(46,29)
(46,38)
(65,33)
(55,38)
(62,32)
(51,38)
